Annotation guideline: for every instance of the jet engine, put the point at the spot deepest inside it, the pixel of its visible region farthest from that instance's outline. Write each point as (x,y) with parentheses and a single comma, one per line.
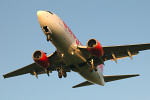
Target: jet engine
(95,48)
(41,59)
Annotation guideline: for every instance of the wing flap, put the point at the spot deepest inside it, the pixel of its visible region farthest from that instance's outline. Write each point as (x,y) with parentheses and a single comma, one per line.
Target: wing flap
(86,83)
(118,77)
(119,55)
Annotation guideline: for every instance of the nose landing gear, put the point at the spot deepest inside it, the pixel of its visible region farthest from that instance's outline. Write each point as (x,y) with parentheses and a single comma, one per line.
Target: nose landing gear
(48,37)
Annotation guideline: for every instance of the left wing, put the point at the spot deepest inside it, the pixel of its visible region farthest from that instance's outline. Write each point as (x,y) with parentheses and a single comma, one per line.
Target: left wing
(116,52)
(124,50)
(35,69)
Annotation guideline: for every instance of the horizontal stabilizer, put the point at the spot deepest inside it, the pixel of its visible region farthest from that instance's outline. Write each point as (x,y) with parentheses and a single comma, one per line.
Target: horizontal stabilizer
(118,77)
(86,83)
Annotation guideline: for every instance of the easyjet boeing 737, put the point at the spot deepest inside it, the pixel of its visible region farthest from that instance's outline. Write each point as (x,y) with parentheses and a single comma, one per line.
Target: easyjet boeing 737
(70,55)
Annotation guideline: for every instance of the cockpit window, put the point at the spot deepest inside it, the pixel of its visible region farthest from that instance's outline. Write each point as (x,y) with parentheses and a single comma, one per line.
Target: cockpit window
(49,12)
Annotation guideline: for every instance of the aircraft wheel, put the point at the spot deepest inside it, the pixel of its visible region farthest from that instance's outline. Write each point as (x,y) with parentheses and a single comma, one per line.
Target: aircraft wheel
(95,68)
(47,40)
(59,75)
(64,74)
(90,69)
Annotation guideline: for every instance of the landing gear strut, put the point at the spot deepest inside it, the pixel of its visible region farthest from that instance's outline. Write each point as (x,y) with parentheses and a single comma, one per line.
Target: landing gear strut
(48,37)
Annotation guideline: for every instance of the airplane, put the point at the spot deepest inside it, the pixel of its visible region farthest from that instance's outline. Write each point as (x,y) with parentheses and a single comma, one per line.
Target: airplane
(71,55)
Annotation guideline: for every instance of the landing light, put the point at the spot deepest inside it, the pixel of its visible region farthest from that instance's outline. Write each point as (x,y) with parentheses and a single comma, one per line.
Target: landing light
(62,55)
(72,53)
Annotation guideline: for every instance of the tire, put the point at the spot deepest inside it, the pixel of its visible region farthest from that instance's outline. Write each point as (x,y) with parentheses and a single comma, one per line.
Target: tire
(90,69)
(59,75)
(64,74)
(48,38)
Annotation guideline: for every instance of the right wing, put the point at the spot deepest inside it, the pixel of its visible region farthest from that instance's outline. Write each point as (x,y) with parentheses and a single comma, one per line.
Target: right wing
(35,69)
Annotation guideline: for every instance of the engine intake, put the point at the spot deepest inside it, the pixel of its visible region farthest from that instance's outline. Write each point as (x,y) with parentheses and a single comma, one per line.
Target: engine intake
(41,59)
(95,48)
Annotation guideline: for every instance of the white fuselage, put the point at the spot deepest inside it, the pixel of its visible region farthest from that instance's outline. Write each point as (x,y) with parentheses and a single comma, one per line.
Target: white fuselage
(66,43)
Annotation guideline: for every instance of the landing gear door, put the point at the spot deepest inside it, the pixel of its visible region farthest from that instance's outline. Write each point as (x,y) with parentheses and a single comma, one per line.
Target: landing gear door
(46,30)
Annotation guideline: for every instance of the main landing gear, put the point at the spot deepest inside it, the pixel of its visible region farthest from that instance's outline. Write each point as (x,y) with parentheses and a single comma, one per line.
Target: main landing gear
(92,67)
(61,72)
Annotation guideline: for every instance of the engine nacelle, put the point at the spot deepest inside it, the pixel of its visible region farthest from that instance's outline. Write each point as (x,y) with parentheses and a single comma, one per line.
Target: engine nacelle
(41,59)
(95,48)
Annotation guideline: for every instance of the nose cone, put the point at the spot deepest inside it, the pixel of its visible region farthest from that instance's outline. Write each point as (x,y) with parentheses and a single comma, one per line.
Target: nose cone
(45,18)
(39,13)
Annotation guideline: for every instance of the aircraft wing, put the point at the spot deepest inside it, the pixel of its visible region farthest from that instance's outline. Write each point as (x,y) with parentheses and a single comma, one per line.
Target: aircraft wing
(33,68)
(21,71)
(124,49)
(117,52)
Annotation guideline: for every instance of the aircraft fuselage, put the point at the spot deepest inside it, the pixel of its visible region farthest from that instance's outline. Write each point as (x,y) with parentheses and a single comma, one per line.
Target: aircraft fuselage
(66,44)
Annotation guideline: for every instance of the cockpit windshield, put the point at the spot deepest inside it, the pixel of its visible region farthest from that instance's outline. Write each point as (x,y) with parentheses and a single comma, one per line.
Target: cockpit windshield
(49,12)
